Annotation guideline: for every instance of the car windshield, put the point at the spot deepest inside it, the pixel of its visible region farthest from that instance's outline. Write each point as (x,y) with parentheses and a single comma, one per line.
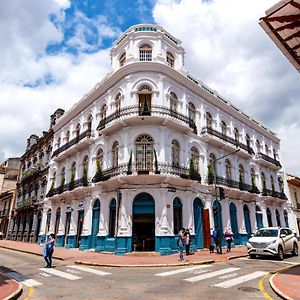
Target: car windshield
(267,233)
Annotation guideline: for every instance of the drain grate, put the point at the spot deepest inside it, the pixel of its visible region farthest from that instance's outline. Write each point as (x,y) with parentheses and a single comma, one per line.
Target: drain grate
(248,289)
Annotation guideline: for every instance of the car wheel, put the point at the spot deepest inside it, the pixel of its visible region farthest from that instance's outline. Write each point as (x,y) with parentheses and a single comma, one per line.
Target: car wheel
(295,251)
(280,253)
(252,256)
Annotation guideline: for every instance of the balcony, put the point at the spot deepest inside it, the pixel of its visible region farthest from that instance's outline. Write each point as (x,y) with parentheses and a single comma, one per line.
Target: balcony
(225,142)
(160,168)
(67,187)
(4,213)
(26,203)
(76,144)
(133,115)
(32,173)
(267,161)
(274,194)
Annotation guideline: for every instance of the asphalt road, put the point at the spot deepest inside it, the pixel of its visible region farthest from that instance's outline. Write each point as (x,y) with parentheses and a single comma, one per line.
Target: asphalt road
(235,279)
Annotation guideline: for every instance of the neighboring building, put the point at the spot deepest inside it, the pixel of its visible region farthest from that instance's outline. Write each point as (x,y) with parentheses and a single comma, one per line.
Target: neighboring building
(294,191)
(281,23)
(32,183)
(138,156)
(9,171)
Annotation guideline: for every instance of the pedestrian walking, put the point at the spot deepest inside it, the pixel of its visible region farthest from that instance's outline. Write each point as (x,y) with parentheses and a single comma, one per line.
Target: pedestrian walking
(181,243)
(49,249)
(217,239)
(188,241)
(228,235)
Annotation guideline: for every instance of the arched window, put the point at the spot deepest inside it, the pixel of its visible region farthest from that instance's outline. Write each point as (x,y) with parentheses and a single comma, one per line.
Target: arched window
(223,128)
(170,59)
(53,180)
(145,93)
(192,112)
(144,152)
(253,178)
(208,120)
(241,174)
(115,154)
(248,140)
(266,150)
(122,59)
(173,102)
(89,123)
(278,218)
(280,184)
(62,176)
(68,136)
(257,146)
(177,215)
(103,112)
(274,154)
(263,182)
(212,163)
(85,165)
(77,130)
(48,221)
(57,146)
(236,135)
(99,158)
(269,218)
(272,183)
(228,169)
(195,158)
(259,218)
(118,103)
(73,171)
(57,220)
(175,153)
(112,218)
(145,52)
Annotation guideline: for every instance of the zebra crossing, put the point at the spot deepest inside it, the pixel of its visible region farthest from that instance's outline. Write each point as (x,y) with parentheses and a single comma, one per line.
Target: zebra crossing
(229,275)
(49,272)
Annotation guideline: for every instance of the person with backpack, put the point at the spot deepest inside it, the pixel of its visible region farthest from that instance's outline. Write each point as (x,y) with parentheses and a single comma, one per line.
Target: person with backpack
(49,249)
(217,239)
(181,243)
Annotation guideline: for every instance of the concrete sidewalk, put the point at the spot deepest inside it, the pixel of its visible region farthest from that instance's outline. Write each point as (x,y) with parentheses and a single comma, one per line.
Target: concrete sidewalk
(285,282)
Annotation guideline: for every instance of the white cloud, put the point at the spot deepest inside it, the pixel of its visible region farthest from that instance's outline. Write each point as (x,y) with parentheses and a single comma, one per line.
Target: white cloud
(227,49)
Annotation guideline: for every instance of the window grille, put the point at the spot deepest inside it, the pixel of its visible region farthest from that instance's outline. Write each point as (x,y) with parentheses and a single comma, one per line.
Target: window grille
(145,52)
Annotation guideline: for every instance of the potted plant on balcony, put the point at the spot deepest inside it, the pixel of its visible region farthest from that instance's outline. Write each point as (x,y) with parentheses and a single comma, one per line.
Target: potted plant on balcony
(210,175)
(193,174)
(84,178)
(264,189)
(129,165)
(99,175)
(61,187)
(273,189)
(156,163)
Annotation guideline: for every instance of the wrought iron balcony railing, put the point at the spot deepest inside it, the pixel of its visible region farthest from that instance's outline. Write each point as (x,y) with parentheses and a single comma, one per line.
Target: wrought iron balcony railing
(155,110)
(226,138)
(237,185)
(268,158)
(72,142)
(68,187)
(159,168)
(28,202)
(267,192)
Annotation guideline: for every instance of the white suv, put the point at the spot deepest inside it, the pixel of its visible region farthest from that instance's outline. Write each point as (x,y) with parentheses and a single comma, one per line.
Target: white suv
(274,241)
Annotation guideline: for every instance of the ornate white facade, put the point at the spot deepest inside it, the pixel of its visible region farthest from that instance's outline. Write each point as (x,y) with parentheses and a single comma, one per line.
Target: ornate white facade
(145,151)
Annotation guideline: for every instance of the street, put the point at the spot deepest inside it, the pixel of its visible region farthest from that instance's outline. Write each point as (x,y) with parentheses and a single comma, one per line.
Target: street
(238,278)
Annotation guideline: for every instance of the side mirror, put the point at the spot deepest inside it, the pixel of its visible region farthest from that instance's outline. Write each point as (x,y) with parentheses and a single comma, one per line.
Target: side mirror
(282,235)
(252,235)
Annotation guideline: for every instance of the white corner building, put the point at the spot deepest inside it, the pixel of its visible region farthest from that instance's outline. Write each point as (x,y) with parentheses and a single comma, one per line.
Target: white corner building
(151,149)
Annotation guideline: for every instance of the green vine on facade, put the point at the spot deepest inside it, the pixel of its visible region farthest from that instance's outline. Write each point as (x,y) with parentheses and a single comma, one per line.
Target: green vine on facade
(85,181)
(99,175)
(210,175)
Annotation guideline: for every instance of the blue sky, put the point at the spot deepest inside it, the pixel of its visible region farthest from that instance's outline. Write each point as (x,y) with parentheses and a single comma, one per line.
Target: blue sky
(53,52)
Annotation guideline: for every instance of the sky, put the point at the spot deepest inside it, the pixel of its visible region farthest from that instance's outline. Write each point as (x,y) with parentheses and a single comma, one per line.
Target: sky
(53,52)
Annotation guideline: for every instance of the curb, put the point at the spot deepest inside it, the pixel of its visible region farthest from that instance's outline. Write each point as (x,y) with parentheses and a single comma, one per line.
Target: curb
(143,266)
(17,293)
(273,286)
(237,256)
(29,252)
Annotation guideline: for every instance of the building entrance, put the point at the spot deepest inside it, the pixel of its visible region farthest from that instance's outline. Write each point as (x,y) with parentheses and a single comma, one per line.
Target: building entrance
(143,219)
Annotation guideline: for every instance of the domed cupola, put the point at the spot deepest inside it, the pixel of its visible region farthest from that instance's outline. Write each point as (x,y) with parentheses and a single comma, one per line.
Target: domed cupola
(147,43)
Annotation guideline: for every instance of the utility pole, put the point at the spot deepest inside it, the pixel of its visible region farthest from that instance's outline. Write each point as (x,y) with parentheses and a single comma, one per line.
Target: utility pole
(222,196)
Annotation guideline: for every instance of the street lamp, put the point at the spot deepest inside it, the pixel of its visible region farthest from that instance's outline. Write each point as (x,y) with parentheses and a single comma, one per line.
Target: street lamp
(221,194)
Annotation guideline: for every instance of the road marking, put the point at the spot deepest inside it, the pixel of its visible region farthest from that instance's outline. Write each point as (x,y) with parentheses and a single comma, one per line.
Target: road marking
(60,273)
(182,270)
(90,270)
(228,276)
(241,279)
(267,260)
(44,274)
(72,271)
(23,280)
(262,288)
(210,275)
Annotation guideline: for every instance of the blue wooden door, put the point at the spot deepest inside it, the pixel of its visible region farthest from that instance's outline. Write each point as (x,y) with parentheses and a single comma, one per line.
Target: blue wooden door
(234,224)
(95,223)
(259,218)
(247,220)
(198,208)
(217,211)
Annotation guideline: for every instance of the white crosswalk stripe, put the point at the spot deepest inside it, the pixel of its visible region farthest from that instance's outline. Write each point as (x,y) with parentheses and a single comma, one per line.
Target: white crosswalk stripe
(60,274)
(20,278)
(241,279)
(210,275)
(169,273)
(89,270)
